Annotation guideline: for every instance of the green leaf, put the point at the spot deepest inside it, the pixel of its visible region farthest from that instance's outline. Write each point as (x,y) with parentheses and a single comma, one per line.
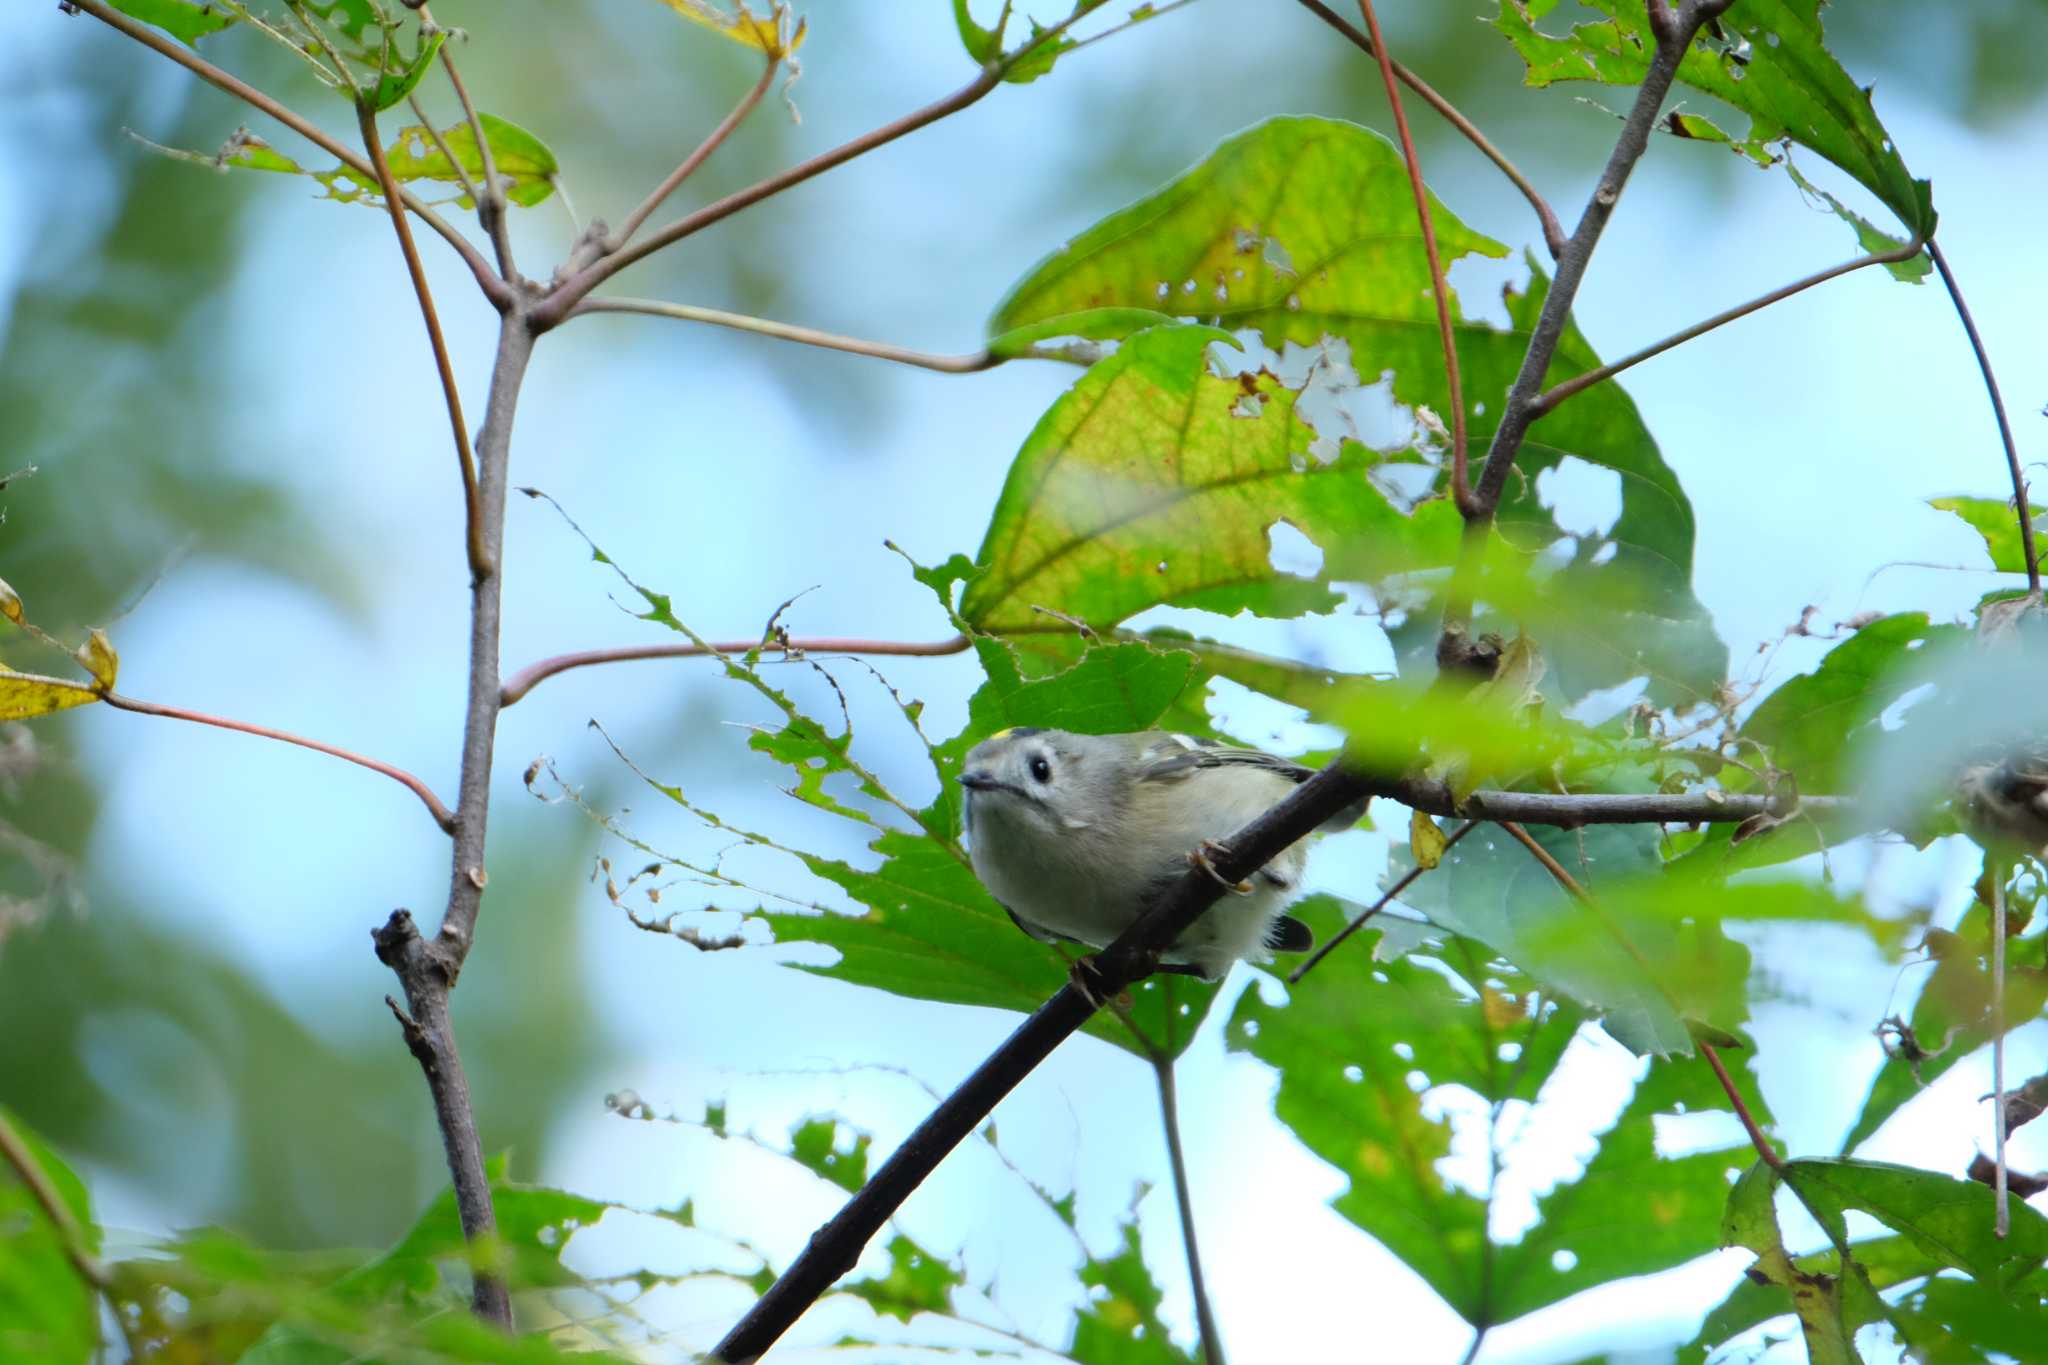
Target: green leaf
(1874,241)
(1304,231)
(523,161)
(1886,1263)
(1121,1324)
(982,44)
(398,75)
(1825,1311)
(814,1144)
(182,19)
(1771,64)
(1157,480)
(1812,724)
(1996,521)
(1947,1219)
(48,1311)
(916,1282)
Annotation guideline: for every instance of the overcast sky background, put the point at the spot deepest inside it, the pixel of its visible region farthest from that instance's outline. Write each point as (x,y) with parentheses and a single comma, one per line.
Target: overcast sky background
(733,472)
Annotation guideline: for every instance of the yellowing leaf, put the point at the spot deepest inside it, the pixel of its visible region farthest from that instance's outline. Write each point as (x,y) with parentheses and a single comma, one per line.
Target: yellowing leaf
(771,35)
(28,694)
(1426,840)
(98,658)
(10,603)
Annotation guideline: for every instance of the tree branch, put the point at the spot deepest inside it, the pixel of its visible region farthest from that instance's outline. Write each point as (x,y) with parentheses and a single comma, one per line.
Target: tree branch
(366,118)
(697,158)
(494,288)
(1580,382)
(527,678)
(683,312)
(70,1237)
(1183,1193)
(398,775)
(1767,1153)
(836,1246)
(1674,30)
(1553,233)
(1439,290)
(2012,454)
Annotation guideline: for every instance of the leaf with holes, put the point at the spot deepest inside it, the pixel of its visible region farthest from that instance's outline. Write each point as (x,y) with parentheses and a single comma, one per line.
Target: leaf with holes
(182,19)
(1996,521)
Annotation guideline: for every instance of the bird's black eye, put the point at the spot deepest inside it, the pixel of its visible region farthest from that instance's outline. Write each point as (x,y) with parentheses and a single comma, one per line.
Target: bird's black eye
(1040,769)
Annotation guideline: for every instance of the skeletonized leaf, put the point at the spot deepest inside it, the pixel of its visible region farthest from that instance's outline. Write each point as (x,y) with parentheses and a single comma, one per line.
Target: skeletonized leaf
(182,19)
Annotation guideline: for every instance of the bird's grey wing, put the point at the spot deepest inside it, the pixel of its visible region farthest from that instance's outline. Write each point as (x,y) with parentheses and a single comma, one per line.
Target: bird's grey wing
(1176,757)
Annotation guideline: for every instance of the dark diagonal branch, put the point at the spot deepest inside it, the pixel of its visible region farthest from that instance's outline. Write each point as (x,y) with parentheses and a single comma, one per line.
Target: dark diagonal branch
(1439,291)
(399,775)
(494,288)
(783,331)
(2012,454)
(1578,383)
(366,117)
(1184,1197)
(697,158)
(1553,232)
(836,1246)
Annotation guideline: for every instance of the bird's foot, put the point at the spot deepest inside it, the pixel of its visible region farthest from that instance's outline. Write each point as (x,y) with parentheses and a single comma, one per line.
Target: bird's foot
(1203,854)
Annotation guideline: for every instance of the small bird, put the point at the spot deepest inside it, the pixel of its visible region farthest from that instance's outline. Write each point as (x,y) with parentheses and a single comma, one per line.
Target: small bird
(1075,835)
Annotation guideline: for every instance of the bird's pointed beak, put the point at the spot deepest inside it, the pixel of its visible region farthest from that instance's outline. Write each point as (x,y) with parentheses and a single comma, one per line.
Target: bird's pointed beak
(976,780)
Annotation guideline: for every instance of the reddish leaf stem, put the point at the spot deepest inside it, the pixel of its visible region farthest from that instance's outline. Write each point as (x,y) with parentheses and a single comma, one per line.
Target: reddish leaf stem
(697,158)
(525,680)
(1553,233)
(398,775)
(1439,288)
(1764,1150)
(465,459)
(2012,454)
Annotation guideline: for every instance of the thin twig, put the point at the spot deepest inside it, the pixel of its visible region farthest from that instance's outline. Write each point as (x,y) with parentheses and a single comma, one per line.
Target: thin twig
(527,678)
(1387,898)
(1764,1150)
(836,1246)
(366,117)
(1580,382)
(1551,865)
(490,205)
(494,288)
(2012,454)
(1553,232)
(469,189)
(398,775)
(1439,290)
(697,158)
(880,350)
(1183,1193)
(70,1236)
(2001,1223)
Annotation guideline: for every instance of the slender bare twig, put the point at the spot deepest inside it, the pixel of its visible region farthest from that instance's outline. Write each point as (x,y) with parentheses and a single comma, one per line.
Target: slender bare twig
(490,204)
(1550,864)
(527,678)
(1387,898)
(1439,290)
(451,395)
(1580,382)
(1553,232)
(710,144)
(469,188)
(880,350)
(70,1237)
(398,775)
(494,288)
(2012,454)
(1183,1193)
(1764,1150)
